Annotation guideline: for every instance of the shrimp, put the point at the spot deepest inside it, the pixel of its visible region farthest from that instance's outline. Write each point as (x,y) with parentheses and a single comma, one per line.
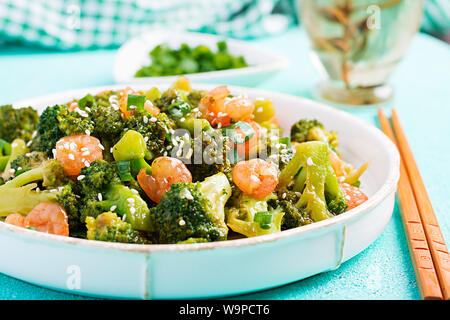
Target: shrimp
(16,219)
(239,108)
(76,152)
(48,217)
(165,171)
(256,177)
(220,110)
(353,195)
(150,108)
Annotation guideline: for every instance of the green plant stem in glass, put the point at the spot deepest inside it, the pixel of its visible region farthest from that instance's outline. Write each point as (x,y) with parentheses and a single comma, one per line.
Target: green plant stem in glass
(357,44)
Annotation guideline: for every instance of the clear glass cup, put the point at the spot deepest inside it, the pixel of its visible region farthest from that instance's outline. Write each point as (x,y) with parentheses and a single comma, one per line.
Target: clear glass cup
(356,44)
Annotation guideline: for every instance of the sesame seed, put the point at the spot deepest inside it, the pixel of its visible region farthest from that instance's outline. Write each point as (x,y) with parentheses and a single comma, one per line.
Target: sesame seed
(87,164)
(182,222)
(101,146)
(283,196)
(132,210)
(145,118)
(135,191)
(309,161)
(29,143)
(14,145)
(153,119)
(113,208)
(72,146)
(81,177)
(71,156)
(130,200)
(87,132)
(100,197)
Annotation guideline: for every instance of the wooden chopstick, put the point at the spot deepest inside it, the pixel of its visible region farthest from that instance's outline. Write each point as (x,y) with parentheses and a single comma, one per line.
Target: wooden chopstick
(436,242)
(424,269)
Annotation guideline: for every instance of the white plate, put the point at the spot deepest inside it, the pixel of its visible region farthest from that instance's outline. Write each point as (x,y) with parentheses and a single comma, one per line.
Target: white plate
(220,268)
(134,54)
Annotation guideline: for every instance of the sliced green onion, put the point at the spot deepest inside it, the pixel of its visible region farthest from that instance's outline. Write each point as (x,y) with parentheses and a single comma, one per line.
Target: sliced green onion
(233,156)
(136,100)
(124,170)
(31,228)
(264,218)
(137,165)
(86,100)
(179,109)
(236,137)
(286,141)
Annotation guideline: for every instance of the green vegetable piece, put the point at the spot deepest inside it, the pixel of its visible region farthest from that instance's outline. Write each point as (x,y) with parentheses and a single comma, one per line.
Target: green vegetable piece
(130,146)
(264,110)
(153,94)
(179,109)
(123,167)
(264,218)
(252,217)
(316,181)
(18,148)
(135,100)
(138,164)
(235,136)
(109,227)
(86,100)
(5,148)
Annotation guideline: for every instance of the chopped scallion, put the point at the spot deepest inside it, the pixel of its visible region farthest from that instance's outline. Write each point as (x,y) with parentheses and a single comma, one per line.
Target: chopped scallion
(124,170)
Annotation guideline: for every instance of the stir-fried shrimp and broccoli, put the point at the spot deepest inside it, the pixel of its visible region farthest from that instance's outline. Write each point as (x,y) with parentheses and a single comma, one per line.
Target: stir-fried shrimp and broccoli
(179,166)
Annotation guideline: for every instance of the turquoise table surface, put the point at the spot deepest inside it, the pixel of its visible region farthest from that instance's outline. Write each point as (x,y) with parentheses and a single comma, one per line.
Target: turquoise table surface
(422,84)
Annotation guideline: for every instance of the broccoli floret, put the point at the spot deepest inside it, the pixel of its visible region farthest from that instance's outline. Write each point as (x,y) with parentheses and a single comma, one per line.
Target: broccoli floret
(109,227)
(69,198)
(310,173)
(312,130)
(48,132)
(252,217)
(50,173)
(57,122)
(98,176)
(155,130)
(194,98)
(17,123)
(193,210)
(17,195)
(212,147)
(28,161)
(293,216)
(73,122)
(108,121)
(122,200)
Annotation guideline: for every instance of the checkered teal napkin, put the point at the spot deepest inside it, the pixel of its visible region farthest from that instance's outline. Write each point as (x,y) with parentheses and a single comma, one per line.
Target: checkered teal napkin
(83,24)
(88,24)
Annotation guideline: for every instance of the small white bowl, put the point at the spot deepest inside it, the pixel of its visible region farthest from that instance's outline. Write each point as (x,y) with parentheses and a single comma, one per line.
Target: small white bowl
(134,54)
(218,268)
